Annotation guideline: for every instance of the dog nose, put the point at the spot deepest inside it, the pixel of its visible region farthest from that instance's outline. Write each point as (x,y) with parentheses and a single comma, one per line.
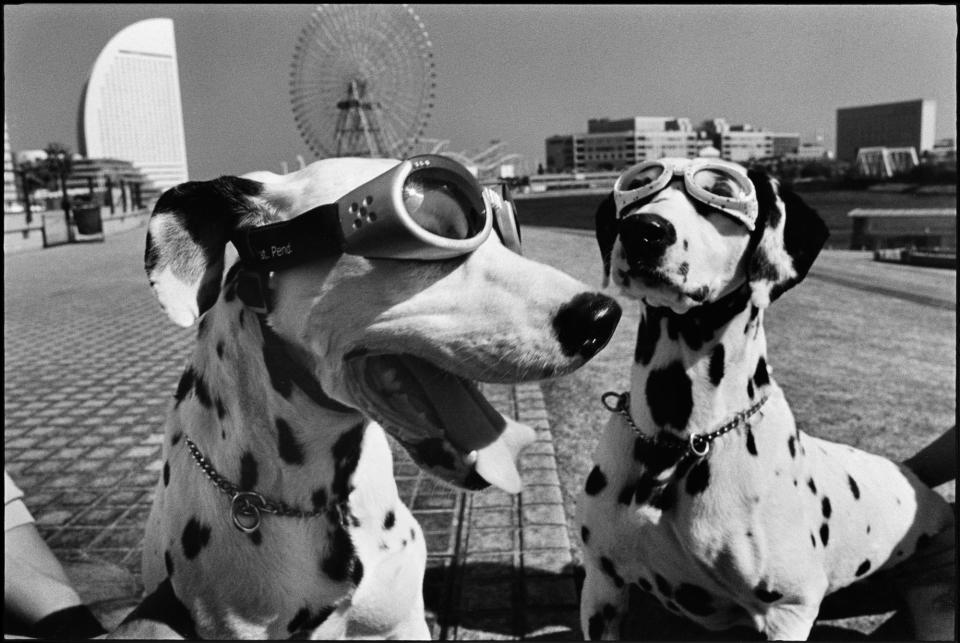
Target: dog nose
(646,236)
(586,323)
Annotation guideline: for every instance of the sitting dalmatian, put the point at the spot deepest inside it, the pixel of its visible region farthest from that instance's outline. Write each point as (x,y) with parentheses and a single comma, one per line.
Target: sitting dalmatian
(704,493)
(367,295)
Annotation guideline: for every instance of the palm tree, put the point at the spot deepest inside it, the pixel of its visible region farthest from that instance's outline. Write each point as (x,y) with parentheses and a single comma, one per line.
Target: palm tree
(59,165)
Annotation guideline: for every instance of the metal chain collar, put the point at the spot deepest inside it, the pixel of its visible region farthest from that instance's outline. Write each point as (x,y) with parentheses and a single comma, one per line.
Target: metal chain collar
(246,506)
(697,444)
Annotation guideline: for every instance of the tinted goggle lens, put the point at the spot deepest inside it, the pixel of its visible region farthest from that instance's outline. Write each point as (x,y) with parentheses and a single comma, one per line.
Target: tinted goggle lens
(439,205)
(720,182)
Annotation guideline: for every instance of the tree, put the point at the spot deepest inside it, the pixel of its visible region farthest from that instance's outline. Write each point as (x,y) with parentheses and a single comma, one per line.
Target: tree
(59,164)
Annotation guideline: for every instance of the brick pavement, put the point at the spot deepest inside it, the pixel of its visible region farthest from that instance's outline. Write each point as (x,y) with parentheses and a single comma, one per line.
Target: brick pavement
(90,364)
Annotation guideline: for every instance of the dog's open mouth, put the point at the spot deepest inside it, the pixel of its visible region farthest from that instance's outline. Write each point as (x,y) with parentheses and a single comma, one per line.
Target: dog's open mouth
(442,419)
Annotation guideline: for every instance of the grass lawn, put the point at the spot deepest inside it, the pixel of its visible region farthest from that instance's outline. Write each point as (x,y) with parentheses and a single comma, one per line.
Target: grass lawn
(875,371)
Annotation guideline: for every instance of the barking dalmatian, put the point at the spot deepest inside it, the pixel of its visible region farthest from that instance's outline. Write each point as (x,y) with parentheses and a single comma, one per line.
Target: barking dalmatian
(277,514)
(704,492)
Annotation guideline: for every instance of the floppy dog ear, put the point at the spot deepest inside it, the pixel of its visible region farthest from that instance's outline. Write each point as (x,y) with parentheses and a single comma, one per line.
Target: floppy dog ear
(186,238)
(605,221)
(788,237)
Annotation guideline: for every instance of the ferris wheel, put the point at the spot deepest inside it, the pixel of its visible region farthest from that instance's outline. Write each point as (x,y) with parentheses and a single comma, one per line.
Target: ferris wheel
(363,80)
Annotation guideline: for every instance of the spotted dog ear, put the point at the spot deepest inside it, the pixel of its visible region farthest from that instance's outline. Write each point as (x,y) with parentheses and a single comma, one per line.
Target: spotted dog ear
(788,237)
(186,237)
(605,221)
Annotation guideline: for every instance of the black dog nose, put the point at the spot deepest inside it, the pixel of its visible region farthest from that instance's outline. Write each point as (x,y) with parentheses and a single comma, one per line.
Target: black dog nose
(586,323)
(646,236)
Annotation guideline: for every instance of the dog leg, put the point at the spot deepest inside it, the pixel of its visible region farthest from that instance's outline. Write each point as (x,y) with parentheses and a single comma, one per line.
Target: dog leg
(602,605)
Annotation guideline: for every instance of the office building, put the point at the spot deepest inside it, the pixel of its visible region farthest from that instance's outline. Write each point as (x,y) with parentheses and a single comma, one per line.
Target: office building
(615,144)
(131,109)
(905,124)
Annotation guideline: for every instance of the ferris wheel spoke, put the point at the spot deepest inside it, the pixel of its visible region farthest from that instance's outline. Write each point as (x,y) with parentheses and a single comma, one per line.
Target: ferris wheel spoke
(362,80)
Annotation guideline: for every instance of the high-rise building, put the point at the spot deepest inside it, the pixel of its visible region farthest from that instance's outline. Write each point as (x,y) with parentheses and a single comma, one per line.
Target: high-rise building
(905,124)
(130,107)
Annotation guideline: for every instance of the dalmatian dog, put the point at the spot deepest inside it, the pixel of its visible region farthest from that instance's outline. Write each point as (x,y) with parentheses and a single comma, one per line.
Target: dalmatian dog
(276,514)
(704,493)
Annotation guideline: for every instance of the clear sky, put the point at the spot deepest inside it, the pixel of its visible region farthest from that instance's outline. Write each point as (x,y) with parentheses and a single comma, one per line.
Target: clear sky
(517,73)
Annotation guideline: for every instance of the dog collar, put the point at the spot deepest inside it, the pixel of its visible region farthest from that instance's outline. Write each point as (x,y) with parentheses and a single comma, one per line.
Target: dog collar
(698,444)
(246,506)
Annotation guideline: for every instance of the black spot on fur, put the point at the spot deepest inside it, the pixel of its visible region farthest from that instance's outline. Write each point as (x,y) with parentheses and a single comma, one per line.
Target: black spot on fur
(751,443)
(221,411)
(584,534)
(288,446)
(665,497)
(750,390)
(701,324)
(655,457)
(168,562)
(319,499)
(176,438)
(812,485)
(766,595)
(663,586)
(299,619)
(432,453)
(248,471)
(201,391)
(644,584)
(647,337)
(669,395)
(595,627)
(195,537)
(824,533)
(220,349)
(166,474)
(163,606)
(813,541)
(868,529)
(863,568)
(792,445)
(390,519)
(626,494)
(596,482)
(699,478)
(346,454)
(644,489)
(341,561)
(608,568)
(185,385)
(923,541)
(694,599)
(716,364)
(286,371)
(241,316)
(854,488)
(760,376)
(255,537)
(825,505)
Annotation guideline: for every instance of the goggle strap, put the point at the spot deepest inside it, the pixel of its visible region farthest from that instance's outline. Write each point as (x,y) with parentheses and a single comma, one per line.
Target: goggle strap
(282,244)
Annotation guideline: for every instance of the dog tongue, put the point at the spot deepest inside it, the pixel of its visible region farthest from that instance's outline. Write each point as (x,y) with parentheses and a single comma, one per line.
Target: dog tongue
(472,424)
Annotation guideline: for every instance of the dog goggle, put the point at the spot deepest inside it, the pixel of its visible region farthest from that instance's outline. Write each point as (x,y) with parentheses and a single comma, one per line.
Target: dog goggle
(427,208)
(718,184)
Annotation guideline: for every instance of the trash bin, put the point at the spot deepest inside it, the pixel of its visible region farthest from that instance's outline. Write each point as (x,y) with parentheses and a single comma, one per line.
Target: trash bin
(88,219)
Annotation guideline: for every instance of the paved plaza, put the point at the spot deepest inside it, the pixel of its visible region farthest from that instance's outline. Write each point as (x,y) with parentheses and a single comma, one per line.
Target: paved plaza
(90,366)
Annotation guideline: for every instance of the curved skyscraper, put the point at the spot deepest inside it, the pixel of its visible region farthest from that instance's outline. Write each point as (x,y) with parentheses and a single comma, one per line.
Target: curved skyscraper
(130,108)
